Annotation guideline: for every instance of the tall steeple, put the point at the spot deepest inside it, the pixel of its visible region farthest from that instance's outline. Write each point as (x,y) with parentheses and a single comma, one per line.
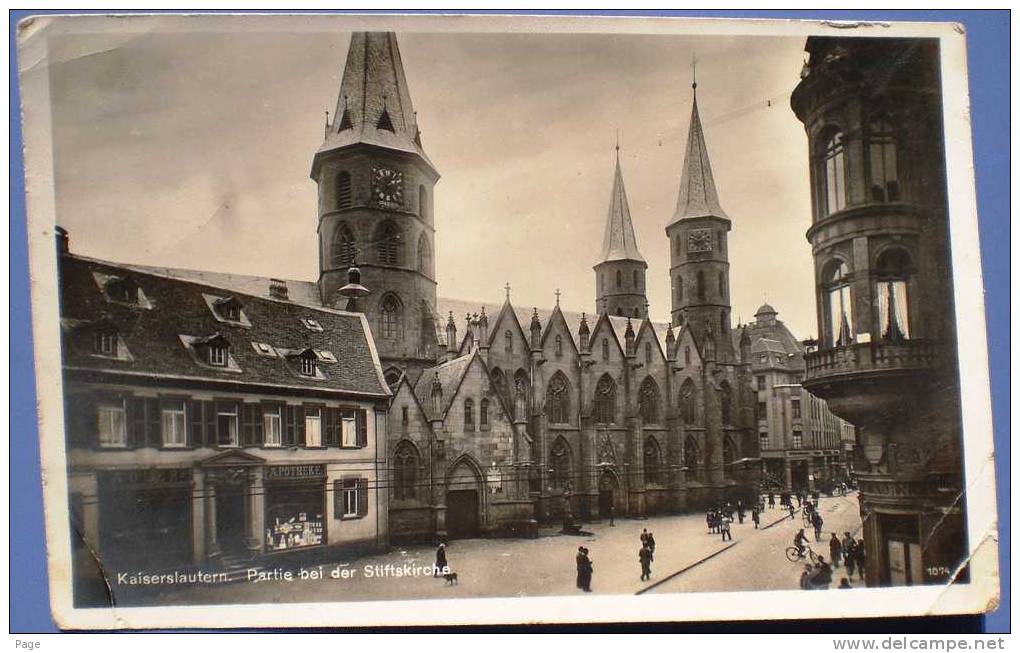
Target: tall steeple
(698,196)
(374,104)
(375,205)
(699,263)
(620,272)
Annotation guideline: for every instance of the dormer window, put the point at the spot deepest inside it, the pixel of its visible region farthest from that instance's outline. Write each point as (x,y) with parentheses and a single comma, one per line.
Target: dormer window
(218,354)
(310,324)
(104,343)
(308,365)
(229,309)
(122,289)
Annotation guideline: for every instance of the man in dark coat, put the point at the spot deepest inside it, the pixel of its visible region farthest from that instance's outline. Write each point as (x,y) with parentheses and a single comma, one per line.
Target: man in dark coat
(645,556)
(755,517)
(584,570)
(835,550)
(817,521)
(441,564)
(580,566)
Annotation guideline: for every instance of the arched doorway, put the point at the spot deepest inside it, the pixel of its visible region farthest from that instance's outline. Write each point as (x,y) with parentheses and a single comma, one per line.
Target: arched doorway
(609,485)
(464,500)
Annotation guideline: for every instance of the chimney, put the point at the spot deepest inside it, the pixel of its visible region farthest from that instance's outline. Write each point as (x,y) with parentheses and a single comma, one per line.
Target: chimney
(278,289)
(63,241)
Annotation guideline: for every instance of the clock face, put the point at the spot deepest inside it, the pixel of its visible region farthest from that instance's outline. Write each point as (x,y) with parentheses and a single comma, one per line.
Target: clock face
(387,185)
(699,240)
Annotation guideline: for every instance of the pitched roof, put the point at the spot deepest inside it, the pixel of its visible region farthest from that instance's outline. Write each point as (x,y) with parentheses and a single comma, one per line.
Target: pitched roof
(698,196)
(374,103)
(160,334)
(619,243)
(449,375)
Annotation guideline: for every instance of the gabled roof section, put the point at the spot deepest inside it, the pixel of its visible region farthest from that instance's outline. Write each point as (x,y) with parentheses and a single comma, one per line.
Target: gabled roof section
(498,327)
(158,338)
(450,375)
(646,325)
(619,243)
(614,325)
(374,104)
(556,317)
(698,197)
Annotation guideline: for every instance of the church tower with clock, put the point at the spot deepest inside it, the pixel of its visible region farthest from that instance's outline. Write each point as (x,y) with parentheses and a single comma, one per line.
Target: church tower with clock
(699,263)
(375,196)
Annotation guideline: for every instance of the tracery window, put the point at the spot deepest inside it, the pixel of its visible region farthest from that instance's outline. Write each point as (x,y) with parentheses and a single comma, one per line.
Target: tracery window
(405,469)
(653,461)
(687,406)
(391,318)
(605,400)
(648,401)
(557,399)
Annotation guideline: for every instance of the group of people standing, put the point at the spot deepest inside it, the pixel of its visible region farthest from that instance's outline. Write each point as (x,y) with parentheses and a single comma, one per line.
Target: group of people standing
(646,553)
(818,575)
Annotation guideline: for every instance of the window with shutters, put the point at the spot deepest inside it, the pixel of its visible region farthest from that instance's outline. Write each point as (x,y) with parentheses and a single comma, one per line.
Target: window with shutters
(226,425)
(389,244)
(351,498)
(343,190)
(348,430)
(112,424)
(272,427)
(344,247)
(313,427)
(174,424)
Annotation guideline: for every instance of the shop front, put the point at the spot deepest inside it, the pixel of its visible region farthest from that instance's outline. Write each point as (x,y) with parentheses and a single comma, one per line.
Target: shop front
(145,517)
(295,507)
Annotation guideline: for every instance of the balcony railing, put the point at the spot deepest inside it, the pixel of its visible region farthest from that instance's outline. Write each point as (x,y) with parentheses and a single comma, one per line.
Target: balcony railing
(873,357)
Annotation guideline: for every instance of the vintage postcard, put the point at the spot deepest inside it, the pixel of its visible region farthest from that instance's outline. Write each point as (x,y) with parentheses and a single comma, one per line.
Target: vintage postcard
(350,320)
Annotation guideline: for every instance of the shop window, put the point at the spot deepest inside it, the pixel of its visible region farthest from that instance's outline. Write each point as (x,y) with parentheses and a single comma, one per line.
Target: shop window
(271,426)
(112,424)
(226,425)
(313,427)
(294,515)
(351,498)
(173,422)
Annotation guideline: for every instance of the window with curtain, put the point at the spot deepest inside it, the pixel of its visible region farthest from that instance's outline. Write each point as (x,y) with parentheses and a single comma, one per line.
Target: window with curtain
(833,173)
(893,274)
(882,173)
(839,309)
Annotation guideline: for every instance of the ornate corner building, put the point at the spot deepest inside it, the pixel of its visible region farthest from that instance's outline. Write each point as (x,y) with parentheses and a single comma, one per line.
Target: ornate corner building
(886,357)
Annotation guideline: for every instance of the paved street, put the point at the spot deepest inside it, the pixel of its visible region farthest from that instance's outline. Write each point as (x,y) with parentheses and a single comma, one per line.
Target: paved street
(760,563)
(545,566)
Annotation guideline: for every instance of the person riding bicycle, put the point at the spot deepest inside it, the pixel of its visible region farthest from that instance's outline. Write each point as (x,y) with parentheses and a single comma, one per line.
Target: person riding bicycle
(799,541)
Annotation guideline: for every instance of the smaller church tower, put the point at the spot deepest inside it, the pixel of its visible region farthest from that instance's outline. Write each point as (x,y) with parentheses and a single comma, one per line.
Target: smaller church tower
(620,272)
(699,263)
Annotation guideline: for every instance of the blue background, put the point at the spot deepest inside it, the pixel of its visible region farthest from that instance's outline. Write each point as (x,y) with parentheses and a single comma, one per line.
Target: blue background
(988,60)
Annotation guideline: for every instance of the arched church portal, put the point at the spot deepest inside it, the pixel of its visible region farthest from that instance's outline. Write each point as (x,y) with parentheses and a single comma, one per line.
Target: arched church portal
(465,500)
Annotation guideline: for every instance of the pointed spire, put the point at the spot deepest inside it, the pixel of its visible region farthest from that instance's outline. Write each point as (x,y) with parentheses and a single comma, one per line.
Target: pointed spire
(698,196)
(374,103)
(619,243)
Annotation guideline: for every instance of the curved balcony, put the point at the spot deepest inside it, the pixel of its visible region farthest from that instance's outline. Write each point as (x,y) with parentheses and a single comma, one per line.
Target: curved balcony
(872,357)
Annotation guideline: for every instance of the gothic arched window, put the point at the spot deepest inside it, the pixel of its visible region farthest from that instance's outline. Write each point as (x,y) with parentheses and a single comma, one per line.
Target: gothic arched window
(679,289)
(343,190)
(508,342)
(469,415)
(833,172)
(619,279)
(389,243)
(405,469)
(637,280)
(688,412)
(605,400)
(882,172)
(499,384)
(648,401)
(424,256)
(729,454)
(722,285)
(423,203)
(605,349)
(391,318)
(701,284)
(648,353)
(653,461)
(722,321)
(559,345)
(344,247)
(557,399)
(726,403)
(891,290)
(687,355)
(839,326)
(692,455)
(483,414)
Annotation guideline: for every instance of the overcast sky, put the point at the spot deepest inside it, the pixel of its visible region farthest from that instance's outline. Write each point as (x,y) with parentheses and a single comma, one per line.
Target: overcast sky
(193,149)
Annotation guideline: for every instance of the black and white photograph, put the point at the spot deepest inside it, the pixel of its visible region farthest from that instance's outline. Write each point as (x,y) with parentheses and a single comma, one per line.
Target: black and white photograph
(613,319)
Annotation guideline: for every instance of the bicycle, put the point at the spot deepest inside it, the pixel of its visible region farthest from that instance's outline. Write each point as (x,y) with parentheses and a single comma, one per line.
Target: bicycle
(793,555)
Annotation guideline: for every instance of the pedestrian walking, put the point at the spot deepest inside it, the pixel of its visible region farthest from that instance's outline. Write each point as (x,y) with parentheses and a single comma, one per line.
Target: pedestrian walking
(861,559)
(772,500)
(585,568)
(835,550)
(800,499)
(441,566)
(740,511)
(789,507)
(645,557)
(708,522)
(805,577)
(612,515)
(725,529)
(644,536)
(850,557)
(756,518)
(650,543)
(848,541)
(817,522)
(580,566)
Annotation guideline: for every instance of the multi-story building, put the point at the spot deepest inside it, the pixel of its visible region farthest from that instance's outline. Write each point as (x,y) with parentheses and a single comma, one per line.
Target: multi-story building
(800,440)
(886,358)
(210,426)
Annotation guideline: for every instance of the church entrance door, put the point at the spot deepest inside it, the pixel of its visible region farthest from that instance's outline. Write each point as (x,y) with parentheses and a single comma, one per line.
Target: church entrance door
(462,513)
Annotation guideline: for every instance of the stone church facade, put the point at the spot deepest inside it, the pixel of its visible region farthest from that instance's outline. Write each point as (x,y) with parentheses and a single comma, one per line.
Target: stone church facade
(513,417)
